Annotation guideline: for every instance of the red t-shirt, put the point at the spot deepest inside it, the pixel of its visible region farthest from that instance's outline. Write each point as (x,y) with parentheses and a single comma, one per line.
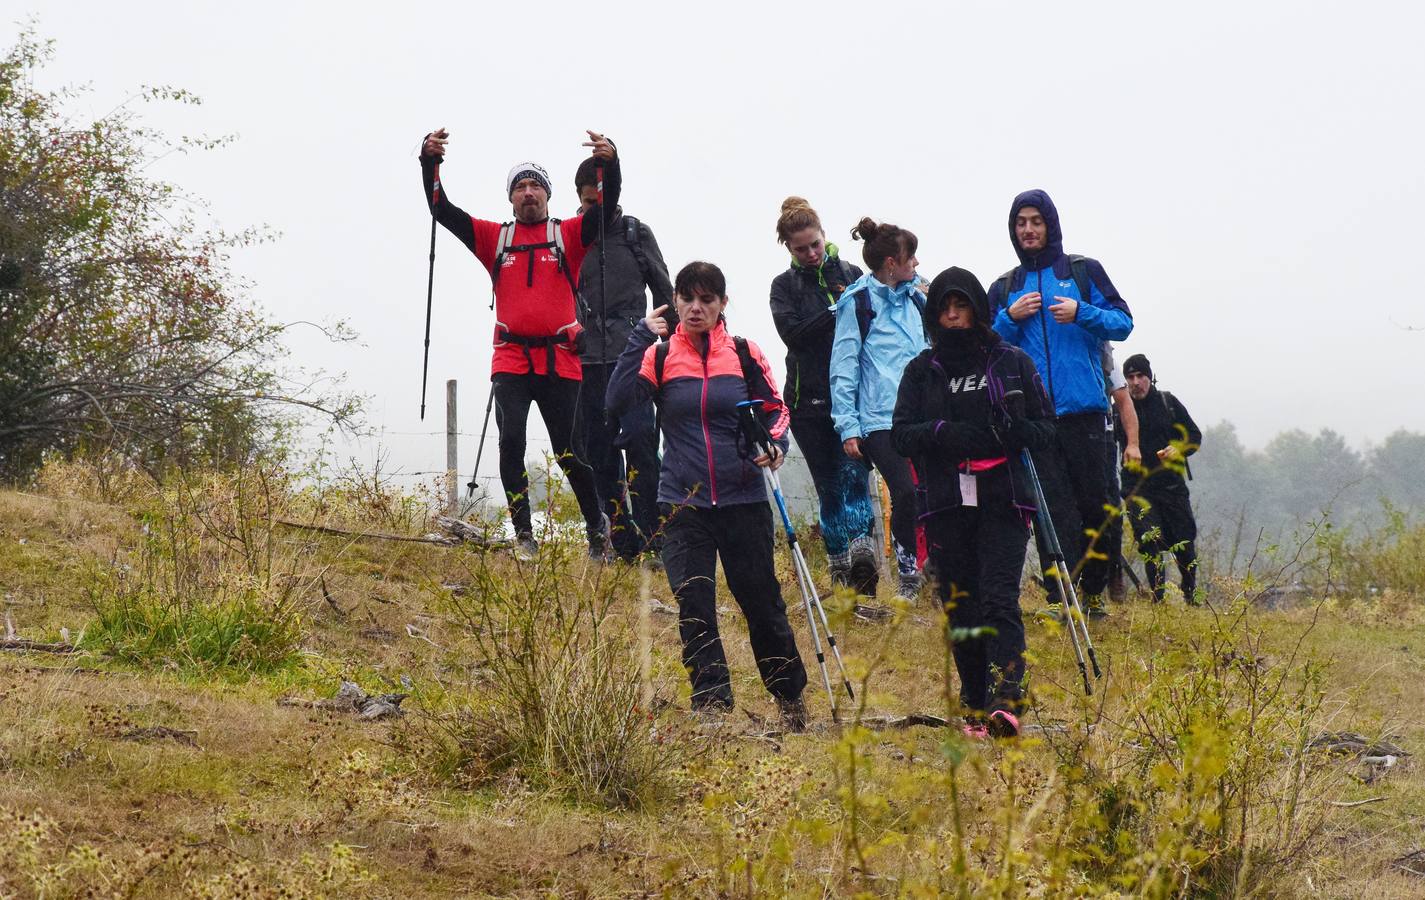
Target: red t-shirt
(533,306)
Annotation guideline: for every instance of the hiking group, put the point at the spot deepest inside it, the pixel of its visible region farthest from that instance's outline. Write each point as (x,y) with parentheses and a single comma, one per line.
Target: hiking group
(970,405)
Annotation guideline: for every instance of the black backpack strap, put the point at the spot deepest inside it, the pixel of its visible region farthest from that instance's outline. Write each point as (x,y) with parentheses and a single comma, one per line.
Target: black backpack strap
(1079,268)
(864,312)
(1006,284)
(1168,404)
(660,357)
(751,372)
(633,236)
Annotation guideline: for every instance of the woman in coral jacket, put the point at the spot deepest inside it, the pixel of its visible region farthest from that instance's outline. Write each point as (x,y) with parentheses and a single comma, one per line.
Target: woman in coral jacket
(964,437)
(711,491)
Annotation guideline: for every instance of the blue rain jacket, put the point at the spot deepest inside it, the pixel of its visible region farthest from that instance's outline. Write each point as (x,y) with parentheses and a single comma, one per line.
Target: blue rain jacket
(1066,355)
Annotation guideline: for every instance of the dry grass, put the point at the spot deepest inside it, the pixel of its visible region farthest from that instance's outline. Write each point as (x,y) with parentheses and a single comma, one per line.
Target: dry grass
(267,785)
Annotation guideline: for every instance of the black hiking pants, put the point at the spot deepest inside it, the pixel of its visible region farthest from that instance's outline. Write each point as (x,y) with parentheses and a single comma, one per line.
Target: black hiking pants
(636,529)
(1166,524)
(1076,488)
(693,540)
(557,399)
(896,472)
(1112,540)
(977,555)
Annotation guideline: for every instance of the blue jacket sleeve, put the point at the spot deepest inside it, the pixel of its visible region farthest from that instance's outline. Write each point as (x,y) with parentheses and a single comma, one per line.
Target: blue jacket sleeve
(846,370)
(1003,325)
(1105,315)
(628,389)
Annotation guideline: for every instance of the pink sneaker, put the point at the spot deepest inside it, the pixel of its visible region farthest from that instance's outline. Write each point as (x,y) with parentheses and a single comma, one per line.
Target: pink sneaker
(976,732)
(1004,724)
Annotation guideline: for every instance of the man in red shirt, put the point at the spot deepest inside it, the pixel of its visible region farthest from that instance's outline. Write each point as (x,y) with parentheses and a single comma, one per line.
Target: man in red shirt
(533,264)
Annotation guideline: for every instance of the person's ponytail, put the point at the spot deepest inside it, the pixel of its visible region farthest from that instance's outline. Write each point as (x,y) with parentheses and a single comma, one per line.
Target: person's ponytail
(882,242)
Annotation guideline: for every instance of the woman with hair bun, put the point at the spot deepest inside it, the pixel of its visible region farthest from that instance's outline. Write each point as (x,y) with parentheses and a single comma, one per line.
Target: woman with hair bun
(803,308)
(878,331)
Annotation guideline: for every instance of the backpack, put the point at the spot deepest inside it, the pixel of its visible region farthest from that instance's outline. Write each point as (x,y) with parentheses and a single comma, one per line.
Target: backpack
(1078,268)
(744,356)
(865,313)
(633,237)
(1168,404)
(554,238)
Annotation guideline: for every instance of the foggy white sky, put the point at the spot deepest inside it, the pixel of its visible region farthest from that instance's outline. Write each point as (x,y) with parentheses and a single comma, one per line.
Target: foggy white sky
(1248,173)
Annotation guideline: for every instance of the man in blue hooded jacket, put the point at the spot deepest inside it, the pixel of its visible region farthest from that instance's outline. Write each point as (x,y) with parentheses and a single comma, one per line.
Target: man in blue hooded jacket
(1059,309)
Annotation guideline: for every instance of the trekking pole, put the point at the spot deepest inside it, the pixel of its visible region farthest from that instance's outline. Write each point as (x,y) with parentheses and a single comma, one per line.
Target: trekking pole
(603,297)
(480,450)
(758,437)
(1068,596)
(430,285)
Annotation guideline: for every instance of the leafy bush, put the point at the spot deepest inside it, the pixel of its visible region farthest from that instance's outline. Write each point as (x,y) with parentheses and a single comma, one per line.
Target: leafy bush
(209,587)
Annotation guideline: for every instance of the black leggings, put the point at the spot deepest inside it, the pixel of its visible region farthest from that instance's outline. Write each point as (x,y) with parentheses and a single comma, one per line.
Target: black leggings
(741,534)
(895,471)
(978,555)
(557,399)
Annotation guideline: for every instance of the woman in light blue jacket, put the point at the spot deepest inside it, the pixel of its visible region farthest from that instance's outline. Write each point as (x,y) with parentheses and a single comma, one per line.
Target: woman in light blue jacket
(878,330)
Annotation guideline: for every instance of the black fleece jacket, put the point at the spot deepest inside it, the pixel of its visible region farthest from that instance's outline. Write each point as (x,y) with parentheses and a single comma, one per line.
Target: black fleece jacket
(951,407)
(803,304)
(1159,416)
(609,320)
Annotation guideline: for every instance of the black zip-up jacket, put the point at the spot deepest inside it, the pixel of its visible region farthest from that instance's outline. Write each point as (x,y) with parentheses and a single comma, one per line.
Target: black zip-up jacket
(803,304)
(950,409)
(1159,415)
(608,321)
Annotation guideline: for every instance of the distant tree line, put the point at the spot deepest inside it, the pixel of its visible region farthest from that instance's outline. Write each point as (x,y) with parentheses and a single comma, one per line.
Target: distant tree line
(1249,500)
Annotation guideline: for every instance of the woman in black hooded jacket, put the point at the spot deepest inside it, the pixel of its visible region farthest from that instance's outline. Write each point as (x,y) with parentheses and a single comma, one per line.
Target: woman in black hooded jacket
(964,439)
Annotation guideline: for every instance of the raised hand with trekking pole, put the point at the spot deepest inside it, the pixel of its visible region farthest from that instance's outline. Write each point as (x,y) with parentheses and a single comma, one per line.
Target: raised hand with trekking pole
(533,262)
(618,285)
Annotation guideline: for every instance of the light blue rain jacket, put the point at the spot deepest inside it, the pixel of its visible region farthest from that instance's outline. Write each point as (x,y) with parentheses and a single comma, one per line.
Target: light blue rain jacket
(865,375)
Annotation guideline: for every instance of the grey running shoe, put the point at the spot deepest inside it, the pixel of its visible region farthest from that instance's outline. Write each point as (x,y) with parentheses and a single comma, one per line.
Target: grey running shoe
(526,548)
(865,566)
(600,540)
(909,587)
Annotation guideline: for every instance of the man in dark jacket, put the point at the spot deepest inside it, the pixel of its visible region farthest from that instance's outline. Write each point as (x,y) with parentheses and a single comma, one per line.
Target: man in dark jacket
(1158,504)
(613,303)
(1060,309)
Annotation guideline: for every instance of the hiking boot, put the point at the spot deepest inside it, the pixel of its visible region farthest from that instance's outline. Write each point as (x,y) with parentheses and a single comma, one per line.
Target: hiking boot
(865,572)
(793,714)
(840,576)
(909,587)
(1117,590)
(526,548)
(1003,724)
(711,716)
(1054,612)
(600,539)
(1094,608)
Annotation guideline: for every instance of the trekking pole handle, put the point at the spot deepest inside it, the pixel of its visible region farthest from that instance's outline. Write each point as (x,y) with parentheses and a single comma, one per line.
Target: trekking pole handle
(752,427)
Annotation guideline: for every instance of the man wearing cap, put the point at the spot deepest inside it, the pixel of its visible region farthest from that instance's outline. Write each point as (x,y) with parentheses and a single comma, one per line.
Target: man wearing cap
(534,266)
(1158,506)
